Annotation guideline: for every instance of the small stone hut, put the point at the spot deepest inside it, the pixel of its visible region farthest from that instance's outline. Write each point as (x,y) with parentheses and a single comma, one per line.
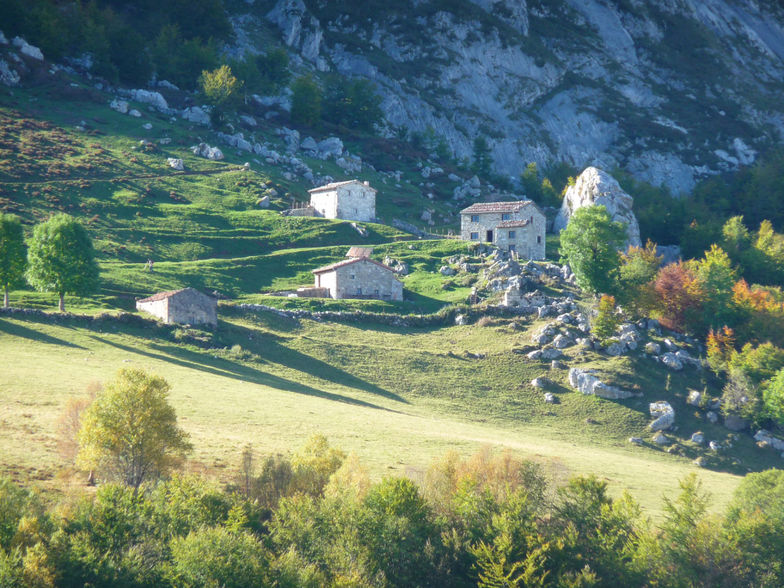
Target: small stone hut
(187,307)
(351,200)
(517,226)
(358,276)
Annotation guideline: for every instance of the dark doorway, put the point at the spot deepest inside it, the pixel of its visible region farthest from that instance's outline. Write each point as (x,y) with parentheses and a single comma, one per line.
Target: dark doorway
(489,236)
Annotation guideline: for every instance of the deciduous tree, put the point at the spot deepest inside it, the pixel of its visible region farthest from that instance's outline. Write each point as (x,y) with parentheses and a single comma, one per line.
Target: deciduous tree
(61,258)
(130,432)
(590,244)
(13,254)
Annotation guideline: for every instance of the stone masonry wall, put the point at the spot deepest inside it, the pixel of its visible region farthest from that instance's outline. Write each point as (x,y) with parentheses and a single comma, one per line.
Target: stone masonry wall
(368,279)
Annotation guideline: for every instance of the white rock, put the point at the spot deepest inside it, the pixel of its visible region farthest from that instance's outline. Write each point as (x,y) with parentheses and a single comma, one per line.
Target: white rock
(595,187)
(660,438)
(204,150)
(308,144)
(694,398)
(562,341)
(330,147)
(636,440)
(264,202)
(664,415)
(698,438)
(26,49)
(549,398)
(176,164)
(539,382)
(147,126)
(775,442)
(248,120)
(196,115)
(135,113)
(652,348)
(120,106)
(672,361)
(615,348)
(150,97)
(8,76)
(712,417)
(460,319)
(714,445)
(445,270)
(3,40)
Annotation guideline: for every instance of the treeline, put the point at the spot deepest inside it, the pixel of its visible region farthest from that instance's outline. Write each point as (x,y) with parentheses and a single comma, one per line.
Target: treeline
(127,41)
(710,297)
(316,519)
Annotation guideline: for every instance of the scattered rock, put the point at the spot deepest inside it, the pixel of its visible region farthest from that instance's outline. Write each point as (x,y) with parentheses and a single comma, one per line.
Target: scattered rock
(714,445)
(196,115)
(248,121)
(712,417)
(147,126)
(615,348)
(460,319)
(664,415)
(661,439)
(672,361)
(700,462)
(586,382)
(652,348)
(120,106)
(154,99)
(694,398)
(134,113)
(549,398)
(8,76)
(562,341)
(330,147)
(557,365)
(765,436)
(204,150)
(446,271)
(698,438)
(735,423)
(540,382)
(264,202)
(176,164)
(636,440)
(26,49)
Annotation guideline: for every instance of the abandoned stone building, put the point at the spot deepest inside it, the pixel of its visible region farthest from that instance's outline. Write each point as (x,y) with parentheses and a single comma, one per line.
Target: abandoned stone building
(186,307)
(351,200)
(517,227)
(357,276)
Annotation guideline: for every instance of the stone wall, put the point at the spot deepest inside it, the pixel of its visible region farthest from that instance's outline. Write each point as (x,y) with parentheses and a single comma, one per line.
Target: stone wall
(351,202)
(191,307)
(528,241)
(362,279)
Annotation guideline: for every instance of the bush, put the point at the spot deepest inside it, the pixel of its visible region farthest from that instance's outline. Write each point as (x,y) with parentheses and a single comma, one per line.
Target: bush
(353,104)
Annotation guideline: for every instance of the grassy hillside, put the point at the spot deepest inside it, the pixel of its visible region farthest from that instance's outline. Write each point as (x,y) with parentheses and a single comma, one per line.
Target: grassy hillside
(396,397)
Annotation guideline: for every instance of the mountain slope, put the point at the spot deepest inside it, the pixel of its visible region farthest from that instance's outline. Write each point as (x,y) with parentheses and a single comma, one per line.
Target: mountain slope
(670,91)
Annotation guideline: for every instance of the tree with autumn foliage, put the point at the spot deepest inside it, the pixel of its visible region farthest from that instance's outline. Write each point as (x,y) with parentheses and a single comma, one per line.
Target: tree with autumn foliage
(636,274)
(720,347)
(716,277)
(760,312)
(678,297)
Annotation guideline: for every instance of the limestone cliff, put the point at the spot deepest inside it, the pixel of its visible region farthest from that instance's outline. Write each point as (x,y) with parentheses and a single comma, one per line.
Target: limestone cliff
(670,90)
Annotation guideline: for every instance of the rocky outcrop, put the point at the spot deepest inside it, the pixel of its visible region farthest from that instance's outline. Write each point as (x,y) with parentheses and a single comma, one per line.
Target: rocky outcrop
(595,187)
(663,414)
(618,95)
(587,382)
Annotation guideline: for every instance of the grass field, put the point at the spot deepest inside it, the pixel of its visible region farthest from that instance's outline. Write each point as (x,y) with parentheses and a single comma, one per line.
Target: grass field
(396,398)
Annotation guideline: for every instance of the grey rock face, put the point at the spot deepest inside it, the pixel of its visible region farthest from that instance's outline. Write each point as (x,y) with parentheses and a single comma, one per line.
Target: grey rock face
(587,382)
(672,361)
(204,150)
(595,187)
(764,436)
(175,163)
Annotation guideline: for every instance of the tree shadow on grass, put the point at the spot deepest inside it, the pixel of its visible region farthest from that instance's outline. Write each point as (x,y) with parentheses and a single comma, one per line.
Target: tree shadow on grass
(18,330)
(228,369)
(271,348)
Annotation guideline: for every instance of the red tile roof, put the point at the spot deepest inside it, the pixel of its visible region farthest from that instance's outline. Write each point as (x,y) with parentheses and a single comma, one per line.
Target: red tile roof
(484,207)
(334,266)
(334,185)
(359,252)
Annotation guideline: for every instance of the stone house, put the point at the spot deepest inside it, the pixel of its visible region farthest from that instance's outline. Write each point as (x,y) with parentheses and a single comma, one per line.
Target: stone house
(186,307)
(517,226)
(351,200)
(358,276)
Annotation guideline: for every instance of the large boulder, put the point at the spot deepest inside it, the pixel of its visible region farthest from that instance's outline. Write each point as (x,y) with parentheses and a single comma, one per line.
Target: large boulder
(595,187)
(663,414)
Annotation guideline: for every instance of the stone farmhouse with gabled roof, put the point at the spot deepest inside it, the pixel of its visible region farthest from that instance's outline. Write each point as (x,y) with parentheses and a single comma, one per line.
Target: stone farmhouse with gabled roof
(517,227)
(187,307)
(351,200)
(358,276)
